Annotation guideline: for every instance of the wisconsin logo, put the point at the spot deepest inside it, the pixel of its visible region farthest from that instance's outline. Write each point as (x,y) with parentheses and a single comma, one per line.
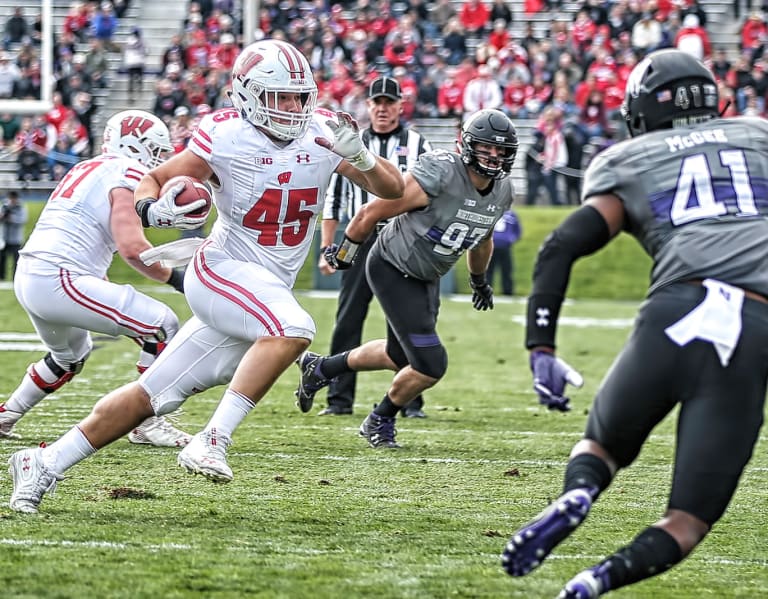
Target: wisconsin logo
(284,178)
(134,126)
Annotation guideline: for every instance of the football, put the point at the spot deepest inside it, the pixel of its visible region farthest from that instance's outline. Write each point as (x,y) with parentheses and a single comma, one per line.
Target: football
(194,189)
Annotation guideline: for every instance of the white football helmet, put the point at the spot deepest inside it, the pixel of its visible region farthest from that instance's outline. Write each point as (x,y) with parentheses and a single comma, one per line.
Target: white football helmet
(137,134)
(265,69)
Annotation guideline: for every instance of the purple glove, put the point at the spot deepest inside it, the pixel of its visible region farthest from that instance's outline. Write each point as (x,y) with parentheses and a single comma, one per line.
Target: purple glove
(550,374)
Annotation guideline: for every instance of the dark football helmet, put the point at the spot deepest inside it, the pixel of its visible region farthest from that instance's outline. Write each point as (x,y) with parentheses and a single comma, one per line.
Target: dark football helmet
(667,89)
(490,127)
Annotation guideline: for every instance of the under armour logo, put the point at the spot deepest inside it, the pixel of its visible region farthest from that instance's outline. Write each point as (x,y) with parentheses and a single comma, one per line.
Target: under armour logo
(163,222)
(542,317)
(491,208)
(302,158)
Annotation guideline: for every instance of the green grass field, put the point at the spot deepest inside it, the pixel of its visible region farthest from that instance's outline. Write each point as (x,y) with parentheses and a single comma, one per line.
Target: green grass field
(313,512)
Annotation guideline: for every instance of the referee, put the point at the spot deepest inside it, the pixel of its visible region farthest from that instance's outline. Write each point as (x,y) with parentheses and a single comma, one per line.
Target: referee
(387,137)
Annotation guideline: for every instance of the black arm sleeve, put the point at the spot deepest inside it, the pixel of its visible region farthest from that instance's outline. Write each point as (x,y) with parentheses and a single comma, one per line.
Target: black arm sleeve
(582,233)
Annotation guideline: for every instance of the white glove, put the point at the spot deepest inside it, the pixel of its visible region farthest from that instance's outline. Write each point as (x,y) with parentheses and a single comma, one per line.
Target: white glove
(164,213)
(172,254)
(347,142)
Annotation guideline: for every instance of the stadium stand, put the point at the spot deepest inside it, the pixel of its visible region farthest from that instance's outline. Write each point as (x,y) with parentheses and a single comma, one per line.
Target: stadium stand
(159,21)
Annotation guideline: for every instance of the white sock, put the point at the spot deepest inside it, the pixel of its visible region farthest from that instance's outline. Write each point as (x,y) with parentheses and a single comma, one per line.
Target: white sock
(232,409)
(67,451)
(27,395)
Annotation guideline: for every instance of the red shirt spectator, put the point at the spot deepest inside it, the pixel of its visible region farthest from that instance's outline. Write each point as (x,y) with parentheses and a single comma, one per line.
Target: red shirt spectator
(450,96)
(754,32)
(58,113)
(474,16)
(400,51)
(499,37)
(583,30)
(198,52)
(514,97)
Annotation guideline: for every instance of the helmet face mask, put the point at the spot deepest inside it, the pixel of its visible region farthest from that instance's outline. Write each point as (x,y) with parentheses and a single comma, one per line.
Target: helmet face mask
(668,89)
(489,128)
(139,135)
(263,72)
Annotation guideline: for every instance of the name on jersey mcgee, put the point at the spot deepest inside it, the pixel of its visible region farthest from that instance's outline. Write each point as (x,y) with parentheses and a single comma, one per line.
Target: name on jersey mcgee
(707,136)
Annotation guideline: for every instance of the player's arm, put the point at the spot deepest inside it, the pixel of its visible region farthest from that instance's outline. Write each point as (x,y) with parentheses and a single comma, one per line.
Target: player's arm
(582,233)
(148,190)
(364,222)
(383,180)
(129,235)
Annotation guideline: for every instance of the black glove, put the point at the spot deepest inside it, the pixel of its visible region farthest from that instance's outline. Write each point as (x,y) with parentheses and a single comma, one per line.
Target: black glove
(341,257)
(176,280)
(482,292)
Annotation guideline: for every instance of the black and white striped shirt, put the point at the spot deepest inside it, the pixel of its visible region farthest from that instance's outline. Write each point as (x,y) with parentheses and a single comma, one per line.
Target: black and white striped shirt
(401,147)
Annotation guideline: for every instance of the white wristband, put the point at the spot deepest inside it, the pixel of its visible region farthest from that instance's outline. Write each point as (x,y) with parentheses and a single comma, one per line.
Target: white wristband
(365,160)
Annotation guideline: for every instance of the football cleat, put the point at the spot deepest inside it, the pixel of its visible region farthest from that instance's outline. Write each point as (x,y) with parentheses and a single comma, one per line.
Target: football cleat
(31,480)
(311,381)
(8,418)
(159,431)
(588,584)
(530,545)
(206,454)
(380,431)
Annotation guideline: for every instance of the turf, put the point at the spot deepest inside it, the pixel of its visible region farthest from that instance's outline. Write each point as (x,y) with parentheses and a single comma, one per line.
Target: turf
(313,512)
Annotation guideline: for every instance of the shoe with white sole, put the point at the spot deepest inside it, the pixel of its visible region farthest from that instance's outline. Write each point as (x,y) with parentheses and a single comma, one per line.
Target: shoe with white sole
(8,418)
(206,454)
(159,431)
(31,480)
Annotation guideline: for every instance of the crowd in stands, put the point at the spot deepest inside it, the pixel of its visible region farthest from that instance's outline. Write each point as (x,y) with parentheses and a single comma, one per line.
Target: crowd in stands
(450,59)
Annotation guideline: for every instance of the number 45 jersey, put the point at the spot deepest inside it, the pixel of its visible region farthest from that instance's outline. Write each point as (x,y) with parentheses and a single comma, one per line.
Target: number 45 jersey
(426,243)
(696,198)
(267,196)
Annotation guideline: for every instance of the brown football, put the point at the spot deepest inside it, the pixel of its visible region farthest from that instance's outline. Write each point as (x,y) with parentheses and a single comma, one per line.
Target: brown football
(194,189)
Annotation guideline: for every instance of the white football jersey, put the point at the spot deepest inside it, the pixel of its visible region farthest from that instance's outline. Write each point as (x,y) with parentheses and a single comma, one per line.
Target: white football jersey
(268,196)
(73,231)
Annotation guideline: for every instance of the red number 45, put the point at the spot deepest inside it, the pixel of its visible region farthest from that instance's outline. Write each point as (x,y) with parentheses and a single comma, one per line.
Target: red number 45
(264,216)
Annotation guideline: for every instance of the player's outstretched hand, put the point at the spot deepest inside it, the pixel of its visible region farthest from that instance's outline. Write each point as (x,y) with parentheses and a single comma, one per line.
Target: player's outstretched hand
(347,142)
(165,214)
(550,375)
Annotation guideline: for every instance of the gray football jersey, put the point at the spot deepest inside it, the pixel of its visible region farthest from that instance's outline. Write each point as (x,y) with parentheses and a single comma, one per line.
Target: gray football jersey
(696,199)
(425,243)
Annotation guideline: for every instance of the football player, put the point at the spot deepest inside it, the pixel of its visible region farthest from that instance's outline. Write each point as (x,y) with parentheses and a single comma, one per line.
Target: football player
(690,187)
(61,279)
(269,160)
(450,206)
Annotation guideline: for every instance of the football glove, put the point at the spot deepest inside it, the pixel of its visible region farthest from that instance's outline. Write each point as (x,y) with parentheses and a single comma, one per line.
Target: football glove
(341,257)
(163,213)
(347,142)
(550,375)
(482,292)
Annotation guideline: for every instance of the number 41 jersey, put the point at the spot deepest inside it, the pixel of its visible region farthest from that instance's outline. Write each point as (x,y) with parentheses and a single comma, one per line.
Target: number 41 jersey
(696,198)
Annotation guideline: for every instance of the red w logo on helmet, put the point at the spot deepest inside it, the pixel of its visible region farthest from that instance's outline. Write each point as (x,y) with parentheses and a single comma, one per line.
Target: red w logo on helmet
(134,126)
